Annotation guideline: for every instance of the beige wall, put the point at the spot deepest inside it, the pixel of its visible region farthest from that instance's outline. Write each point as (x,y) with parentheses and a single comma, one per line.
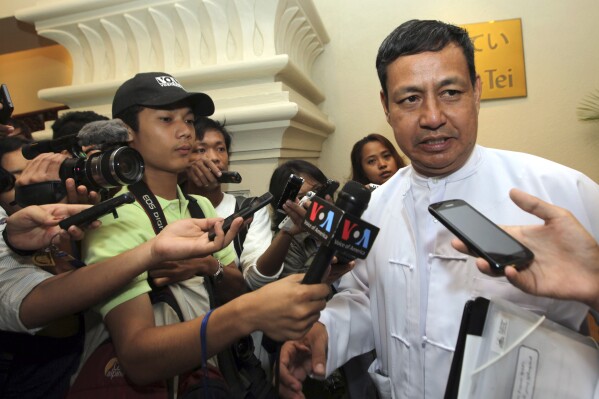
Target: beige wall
(27,72)
(561,48)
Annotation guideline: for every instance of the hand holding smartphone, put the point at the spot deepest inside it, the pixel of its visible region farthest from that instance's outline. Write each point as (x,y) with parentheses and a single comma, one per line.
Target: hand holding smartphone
(287,223)
(7,105)
(245,212)
(93,213)
(482,237)
(229,177)
(292,188)
(328,188)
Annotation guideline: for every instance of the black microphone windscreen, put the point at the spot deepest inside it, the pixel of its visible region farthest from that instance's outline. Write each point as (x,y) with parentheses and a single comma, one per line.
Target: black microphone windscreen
(103,132)
(353,198)
(357,190)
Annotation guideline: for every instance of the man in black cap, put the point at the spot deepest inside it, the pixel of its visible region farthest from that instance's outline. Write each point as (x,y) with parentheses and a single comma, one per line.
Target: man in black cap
(160,114)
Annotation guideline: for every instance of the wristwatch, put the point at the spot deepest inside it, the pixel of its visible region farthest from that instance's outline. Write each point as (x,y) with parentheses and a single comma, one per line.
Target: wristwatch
(220,273)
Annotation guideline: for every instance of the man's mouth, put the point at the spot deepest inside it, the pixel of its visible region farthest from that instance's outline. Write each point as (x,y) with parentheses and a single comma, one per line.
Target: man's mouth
(435,141)
(436,144)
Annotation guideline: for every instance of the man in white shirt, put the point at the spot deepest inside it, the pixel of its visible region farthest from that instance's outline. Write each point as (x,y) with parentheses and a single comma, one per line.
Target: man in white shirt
(406,299)
(210,158)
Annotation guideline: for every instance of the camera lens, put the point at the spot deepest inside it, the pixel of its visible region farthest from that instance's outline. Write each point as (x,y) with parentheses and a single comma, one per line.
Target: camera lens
(118,167)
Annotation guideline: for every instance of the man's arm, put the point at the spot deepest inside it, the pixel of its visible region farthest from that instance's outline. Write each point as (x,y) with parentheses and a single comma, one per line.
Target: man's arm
(285,309)
(272,259)
(82,288)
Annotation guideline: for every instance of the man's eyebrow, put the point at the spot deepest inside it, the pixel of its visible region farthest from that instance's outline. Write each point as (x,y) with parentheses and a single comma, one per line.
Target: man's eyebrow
(218,142)
(450,81)
(408,89)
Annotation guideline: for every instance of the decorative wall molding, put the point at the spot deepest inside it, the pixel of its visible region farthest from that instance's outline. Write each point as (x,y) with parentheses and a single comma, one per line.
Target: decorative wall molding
(253,57)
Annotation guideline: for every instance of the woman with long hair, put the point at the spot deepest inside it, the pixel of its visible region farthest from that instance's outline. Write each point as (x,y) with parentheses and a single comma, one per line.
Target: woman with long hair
(374,159)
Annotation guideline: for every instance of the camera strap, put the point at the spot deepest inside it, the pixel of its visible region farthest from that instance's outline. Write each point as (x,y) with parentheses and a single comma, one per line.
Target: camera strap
(151,206)
(149,203)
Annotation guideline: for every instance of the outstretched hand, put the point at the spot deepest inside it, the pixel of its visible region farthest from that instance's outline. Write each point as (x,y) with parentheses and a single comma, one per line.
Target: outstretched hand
(34,227)
(188,238)
(286,309)
(566,263)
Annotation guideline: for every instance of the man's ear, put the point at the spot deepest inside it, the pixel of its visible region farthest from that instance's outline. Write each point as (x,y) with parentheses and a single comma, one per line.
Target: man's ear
(384,104)
(477,92)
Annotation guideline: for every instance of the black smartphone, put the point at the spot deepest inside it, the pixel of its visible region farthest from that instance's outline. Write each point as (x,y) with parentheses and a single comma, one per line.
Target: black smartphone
(482,237)
(90,214)
(229,177)
(292,188)
(245,212)
(328,188)
(7,105)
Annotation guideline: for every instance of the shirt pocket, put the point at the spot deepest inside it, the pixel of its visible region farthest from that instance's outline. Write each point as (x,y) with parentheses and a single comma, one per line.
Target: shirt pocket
(382,383)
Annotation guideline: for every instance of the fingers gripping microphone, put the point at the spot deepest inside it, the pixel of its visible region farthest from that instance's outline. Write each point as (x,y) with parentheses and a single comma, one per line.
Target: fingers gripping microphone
(353,200)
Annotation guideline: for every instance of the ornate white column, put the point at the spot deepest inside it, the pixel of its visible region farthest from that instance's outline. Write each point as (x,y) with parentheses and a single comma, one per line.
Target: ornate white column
(253,57)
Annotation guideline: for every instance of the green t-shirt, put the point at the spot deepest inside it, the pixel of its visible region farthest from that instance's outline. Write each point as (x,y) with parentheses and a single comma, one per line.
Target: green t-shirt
(130,229)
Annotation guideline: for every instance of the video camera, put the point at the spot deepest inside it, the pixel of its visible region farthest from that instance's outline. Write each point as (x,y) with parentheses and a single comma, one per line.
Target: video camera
(113,163)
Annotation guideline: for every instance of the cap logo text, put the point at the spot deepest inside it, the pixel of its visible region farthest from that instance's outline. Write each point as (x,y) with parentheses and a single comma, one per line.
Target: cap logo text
(168,81)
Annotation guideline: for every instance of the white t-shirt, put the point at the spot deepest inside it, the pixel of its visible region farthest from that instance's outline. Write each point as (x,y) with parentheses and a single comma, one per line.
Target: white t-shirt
(18,276)
(258,239)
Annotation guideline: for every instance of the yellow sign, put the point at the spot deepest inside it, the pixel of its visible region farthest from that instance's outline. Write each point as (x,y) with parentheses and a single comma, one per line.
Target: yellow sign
(499,57)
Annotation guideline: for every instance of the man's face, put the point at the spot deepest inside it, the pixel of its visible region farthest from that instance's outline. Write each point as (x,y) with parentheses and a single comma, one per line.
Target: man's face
(433,109)
(213,147)
(165,138)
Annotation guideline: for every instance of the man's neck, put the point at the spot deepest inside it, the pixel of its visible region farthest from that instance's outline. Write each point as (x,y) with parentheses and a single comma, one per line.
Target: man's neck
(214,195)
(162,184)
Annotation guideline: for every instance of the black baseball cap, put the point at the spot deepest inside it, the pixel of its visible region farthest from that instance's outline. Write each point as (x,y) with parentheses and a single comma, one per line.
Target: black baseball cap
(154,89)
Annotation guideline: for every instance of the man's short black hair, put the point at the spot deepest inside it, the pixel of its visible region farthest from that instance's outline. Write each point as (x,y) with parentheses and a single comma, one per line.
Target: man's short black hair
(71,122)
(415,37)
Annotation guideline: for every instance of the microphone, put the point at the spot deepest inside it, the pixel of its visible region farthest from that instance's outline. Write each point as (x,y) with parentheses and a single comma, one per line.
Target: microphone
(351,201)
(34,149)
(102,133)
(97,133)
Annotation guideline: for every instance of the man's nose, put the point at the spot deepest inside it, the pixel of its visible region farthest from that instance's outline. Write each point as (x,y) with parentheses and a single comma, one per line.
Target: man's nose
(432,116)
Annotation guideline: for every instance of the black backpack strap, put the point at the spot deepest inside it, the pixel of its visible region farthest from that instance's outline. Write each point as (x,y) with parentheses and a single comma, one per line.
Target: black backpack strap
(194,208)
(241,202)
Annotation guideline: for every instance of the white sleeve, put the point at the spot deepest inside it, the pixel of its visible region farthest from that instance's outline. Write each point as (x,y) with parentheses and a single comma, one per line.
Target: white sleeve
(348,319)
(18,277)
(256,242)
